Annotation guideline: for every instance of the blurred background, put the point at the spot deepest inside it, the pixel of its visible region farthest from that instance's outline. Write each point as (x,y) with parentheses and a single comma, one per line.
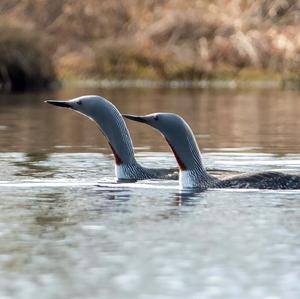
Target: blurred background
(45,40)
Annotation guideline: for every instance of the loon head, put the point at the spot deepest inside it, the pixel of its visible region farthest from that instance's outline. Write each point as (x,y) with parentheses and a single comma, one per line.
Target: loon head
(109,121)
(94,107)
(170,125)
(178,135)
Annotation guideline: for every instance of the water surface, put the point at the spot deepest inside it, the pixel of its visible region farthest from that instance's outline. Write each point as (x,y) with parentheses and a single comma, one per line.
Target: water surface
(68,231)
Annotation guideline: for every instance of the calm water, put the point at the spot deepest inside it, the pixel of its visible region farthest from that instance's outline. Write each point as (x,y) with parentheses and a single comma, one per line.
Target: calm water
(68,231)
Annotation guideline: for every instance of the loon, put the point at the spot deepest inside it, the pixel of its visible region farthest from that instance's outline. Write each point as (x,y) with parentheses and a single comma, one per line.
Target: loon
(113,127)
(192,173)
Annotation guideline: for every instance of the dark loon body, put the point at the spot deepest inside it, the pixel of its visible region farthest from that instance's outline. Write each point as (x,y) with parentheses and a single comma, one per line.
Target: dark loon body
(264,180)
(113,126)
(192,172)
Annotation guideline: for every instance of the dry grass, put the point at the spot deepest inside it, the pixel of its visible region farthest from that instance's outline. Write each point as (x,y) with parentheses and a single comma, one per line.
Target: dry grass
(24,65)
(167,39)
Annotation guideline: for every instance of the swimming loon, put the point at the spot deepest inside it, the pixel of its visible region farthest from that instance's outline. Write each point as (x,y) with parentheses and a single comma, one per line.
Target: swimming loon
(113,127)
(192,172)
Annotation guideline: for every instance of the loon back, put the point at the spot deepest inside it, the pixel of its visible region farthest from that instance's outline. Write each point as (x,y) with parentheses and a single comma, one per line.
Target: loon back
(113,127)
(264,180)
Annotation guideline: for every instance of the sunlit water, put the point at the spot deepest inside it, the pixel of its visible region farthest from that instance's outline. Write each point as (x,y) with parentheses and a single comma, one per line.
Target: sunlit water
(67,230)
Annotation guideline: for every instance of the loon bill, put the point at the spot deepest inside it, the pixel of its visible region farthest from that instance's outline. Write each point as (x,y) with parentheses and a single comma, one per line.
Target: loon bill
(192,172)
(113,126)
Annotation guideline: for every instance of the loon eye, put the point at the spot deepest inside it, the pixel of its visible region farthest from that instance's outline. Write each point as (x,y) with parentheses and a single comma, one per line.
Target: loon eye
(155,117)
(79,102)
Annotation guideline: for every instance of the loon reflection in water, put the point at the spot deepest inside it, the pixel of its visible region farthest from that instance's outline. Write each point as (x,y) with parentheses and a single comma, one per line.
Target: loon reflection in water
(113,127)
(192,172)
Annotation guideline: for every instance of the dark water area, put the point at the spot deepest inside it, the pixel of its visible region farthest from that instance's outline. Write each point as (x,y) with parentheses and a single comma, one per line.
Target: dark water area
(257,121)
(67,230)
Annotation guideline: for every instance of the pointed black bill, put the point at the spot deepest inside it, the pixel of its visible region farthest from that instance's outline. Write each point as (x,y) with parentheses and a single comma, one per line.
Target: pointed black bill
(140,119)
(64,104)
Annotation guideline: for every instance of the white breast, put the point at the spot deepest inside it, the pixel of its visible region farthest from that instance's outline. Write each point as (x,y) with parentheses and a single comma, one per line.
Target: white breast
(120,172)
(187,180)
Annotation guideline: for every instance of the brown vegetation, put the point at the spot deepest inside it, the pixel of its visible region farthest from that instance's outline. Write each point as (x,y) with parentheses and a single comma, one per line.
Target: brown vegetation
(167,39)
(23,62)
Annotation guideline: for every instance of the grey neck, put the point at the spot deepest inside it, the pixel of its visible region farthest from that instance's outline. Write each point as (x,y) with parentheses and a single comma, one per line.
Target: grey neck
(115,130)
(189,158)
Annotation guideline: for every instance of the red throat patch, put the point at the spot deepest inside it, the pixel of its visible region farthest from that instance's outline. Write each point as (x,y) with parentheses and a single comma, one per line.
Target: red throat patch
(117,158)
(179,161)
